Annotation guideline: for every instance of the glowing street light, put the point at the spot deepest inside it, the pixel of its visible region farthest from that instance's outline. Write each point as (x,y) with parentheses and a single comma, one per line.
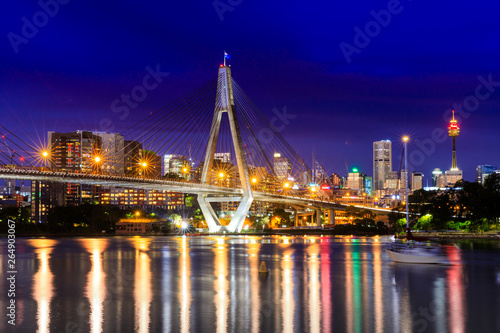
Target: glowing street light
(221,175)
(254,180)
(405,140)
(286,185)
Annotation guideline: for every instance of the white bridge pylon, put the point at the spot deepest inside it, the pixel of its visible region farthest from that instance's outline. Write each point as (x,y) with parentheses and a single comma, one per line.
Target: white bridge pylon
(225,103)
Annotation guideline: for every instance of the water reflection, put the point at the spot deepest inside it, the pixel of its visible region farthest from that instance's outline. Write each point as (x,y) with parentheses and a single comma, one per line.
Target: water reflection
(95,289)
(455,292)
(326,289)
(221,286)
(255,303)
(142,284)
(287,301)
(43,289)
(184,285)
(315,284)
(377,289)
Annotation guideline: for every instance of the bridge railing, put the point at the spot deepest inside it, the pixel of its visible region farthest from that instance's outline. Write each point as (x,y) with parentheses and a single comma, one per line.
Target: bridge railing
(46,171)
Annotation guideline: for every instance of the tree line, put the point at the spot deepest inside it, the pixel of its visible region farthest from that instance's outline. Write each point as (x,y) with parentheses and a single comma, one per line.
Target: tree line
(467,206)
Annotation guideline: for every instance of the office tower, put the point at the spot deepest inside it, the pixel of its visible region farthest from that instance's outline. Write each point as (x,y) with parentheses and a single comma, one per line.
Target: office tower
(392,182)
(484,171)
(112,152)
(337,181)
(132,157)
(417,179)
(74,151)
(281,167)
(436,175)
(223,157)
(382,163)
(356,181)
(45,196)
(175,164)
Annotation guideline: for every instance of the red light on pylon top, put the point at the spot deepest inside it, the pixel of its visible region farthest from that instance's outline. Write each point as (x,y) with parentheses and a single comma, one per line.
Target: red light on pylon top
(453,129)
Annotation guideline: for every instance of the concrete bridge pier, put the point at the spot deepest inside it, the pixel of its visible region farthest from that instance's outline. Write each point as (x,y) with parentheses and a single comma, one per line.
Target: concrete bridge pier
(318,218)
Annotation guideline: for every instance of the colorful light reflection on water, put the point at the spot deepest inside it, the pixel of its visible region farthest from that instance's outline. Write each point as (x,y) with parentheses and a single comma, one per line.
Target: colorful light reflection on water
(212,284)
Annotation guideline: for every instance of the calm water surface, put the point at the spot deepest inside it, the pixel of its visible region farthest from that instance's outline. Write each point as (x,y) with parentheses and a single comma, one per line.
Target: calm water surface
(211,284)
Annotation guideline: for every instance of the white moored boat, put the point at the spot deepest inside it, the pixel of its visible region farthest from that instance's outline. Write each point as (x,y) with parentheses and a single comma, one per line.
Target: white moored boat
(417,255)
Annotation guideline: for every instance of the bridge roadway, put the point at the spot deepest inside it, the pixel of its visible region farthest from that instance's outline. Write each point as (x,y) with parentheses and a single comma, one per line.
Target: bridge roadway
(160,185)
(230,194)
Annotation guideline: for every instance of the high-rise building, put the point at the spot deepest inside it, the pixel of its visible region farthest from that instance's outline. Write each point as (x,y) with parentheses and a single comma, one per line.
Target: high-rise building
(368,186)
(132,157)
(74,151)
(436,176)
(405,177)
(175,164)
(392,182)
(356,181)
(452,176)
(382,163)
(417,179)
(112,152)
(319,173)
(484,171)
(281,167)
(44,196)
(223,157)
(337,181)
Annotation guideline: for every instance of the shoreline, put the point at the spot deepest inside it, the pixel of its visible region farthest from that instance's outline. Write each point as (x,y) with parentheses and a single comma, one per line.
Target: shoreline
(304,232)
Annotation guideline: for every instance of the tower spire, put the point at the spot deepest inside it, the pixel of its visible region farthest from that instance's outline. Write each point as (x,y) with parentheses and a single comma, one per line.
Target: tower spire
(453,131)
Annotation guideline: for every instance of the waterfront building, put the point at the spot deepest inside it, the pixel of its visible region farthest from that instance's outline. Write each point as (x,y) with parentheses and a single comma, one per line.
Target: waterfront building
(45,196)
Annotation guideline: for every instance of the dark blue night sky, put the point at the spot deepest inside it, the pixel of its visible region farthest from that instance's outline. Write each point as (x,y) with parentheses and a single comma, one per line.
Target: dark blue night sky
(399,77)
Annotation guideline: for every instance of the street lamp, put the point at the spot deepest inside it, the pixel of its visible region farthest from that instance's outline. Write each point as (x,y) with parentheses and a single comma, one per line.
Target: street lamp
(405,140)
(97,162)
(144,165)
(185,171)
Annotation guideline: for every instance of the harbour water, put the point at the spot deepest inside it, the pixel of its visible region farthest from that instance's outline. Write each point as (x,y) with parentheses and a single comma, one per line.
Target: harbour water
(212,284)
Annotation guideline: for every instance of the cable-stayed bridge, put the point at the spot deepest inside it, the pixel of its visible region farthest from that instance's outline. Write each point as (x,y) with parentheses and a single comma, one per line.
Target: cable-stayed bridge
(229,151)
